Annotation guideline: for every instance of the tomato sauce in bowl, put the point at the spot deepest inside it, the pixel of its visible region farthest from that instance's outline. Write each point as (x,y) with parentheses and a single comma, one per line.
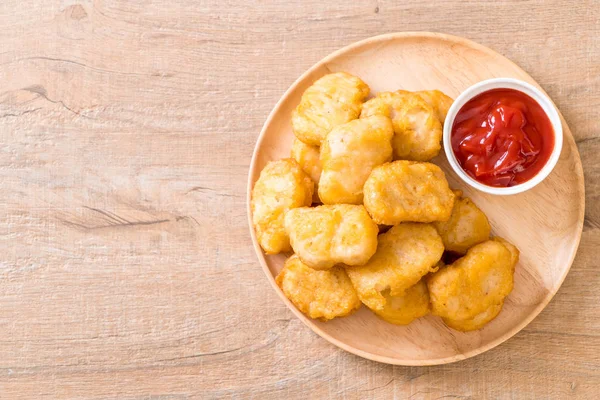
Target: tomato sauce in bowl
(502,137)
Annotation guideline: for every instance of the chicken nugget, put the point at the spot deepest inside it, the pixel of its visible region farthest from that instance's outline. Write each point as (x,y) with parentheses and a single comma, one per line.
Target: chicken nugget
(417,129)
(408,191)
(439,101)
(404,255)
(477,322)
(332,100)
(309,159)
(331,234)
(281,186)
(472,284)
(348,155)
(466,227)
(514,252)
(403,309)
(318,294)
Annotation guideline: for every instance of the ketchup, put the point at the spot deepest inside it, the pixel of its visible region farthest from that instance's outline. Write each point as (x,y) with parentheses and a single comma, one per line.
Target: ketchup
(502,137)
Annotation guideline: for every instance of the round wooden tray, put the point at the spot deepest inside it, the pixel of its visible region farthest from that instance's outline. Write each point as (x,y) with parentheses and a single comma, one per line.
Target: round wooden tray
(545,223)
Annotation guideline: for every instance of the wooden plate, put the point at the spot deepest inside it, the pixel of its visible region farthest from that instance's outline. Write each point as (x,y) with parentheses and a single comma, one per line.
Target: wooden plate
(545,223)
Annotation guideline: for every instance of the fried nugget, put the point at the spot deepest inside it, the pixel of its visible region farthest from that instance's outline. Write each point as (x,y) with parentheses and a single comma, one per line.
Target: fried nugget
(309,159)
(281,186)
(472,284)
(477,322)
(348,155)
(403,309)
(417,129)
(514,252)
(332,100)
(439,101)
(466,227)
(408,191)
(404,255)
(327,235)
(318,294)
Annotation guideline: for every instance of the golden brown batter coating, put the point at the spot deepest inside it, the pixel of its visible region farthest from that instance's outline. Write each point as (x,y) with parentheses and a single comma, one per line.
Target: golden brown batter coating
(418,131)
(408,191)
(331,234)
(405,308)
(466,227)
(281,186)
(349,154)
(318,294)
(404,255)
(332,100)
(472,284)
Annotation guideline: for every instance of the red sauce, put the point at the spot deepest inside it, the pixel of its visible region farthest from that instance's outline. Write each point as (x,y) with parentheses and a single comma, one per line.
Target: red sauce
(502,137)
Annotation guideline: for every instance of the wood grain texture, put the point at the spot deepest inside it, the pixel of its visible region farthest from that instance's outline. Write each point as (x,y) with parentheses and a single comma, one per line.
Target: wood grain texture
(126,267)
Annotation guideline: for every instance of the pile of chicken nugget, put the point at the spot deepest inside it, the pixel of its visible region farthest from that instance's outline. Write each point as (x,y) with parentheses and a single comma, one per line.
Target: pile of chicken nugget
(369,220)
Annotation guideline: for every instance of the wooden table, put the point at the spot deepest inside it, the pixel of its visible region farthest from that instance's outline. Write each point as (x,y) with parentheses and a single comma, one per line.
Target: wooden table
(126,268)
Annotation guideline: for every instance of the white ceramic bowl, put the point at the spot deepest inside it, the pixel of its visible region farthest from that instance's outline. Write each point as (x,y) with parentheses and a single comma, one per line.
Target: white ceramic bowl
(504,83)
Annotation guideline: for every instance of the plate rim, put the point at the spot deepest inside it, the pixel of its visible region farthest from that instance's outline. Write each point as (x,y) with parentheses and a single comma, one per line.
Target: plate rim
(308,322)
